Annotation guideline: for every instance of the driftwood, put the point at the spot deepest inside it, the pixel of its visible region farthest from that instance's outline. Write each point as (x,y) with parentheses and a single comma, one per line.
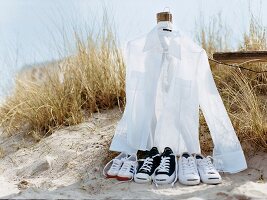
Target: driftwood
(241,56)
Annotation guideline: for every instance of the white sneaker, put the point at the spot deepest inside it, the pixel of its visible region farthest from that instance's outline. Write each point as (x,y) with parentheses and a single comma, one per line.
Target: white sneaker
(207,171)
(188,174)
(113,167)
(128,169)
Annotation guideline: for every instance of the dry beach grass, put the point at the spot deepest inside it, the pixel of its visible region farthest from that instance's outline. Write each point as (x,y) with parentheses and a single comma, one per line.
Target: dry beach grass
(244,93)
(91,80)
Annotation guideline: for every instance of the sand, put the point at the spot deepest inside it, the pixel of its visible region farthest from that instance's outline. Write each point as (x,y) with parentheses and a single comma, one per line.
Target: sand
(69,163)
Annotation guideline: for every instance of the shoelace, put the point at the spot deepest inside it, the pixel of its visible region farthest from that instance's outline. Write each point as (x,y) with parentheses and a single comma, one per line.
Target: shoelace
(207,165)
(115,160)
(188,166)
(128,166)
(116,164)
(164,165)
(147,165)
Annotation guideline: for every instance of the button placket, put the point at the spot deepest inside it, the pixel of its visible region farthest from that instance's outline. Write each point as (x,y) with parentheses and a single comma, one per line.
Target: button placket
(165,70)
(163,82)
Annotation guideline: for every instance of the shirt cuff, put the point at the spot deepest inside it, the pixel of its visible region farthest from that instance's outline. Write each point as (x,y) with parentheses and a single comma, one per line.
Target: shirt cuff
(231,162)
(119,143)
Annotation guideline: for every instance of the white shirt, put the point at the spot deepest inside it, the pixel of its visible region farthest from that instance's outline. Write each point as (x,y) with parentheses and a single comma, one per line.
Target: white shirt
(168,78)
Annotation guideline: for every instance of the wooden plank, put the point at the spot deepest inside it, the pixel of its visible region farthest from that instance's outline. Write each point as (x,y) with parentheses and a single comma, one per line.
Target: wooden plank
(240,56)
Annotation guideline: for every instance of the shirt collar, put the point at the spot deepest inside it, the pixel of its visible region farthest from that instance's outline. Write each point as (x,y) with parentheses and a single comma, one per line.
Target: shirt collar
(152,40)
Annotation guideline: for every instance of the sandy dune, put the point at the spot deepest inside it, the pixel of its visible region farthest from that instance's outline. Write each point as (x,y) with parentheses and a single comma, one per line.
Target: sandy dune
(69,163)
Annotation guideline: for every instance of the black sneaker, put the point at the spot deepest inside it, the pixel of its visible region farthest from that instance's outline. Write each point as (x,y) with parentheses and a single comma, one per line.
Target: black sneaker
(148,166)
(166,172)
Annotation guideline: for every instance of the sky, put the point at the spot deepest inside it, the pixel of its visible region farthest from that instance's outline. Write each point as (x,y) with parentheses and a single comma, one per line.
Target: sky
(31,30)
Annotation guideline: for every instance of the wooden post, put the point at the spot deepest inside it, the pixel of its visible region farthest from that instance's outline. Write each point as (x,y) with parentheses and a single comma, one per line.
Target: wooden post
(240,56)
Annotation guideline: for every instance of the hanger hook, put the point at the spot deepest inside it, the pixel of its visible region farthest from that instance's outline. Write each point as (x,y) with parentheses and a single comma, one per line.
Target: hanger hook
(167,8)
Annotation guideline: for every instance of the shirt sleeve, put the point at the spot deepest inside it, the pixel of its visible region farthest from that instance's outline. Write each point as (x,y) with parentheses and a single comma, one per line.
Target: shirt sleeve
(227,152)
(126,58)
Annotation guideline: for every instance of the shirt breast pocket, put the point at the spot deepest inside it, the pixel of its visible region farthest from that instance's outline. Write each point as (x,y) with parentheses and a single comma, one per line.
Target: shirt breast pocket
(182,88)
(137,80)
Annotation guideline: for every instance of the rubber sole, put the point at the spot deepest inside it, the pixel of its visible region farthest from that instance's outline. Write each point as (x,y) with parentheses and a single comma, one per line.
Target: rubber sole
(119,178)
(212,181)
(196,182)
(109,176)
(168,181)
(137,180)
(160,182)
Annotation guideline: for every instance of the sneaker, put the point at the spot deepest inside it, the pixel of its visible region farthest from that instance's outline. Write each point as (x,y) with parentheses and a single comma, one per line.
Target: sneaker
(128,168)
(188,174)
(166,171)
(207,171)
(148,166)
(112,168)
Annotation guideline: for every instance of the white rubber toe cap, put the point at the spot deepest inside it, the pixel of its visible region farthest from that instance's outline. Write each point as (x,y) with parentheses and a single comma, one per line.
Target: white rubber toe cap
(142,178)
(164,179)
(211,179)
(189,179)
